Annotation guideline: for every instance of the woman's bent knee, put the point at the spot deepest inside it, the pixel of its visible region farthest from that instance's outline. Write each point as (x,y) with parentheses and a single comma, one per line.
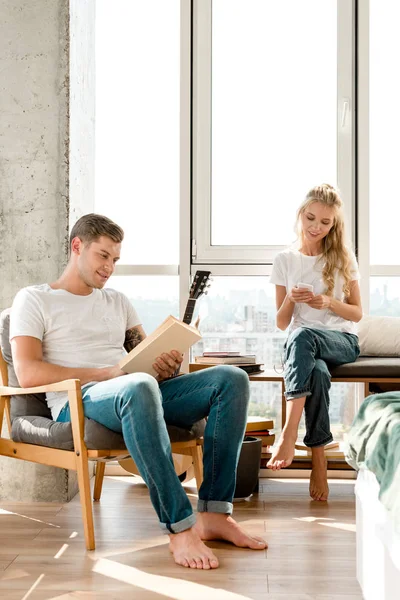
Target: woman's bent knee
(300,335)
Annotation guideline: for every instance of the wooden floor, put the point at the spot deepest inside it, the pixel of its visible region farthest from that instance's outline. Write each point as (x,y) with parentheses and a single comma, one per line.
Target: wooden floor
(311,553)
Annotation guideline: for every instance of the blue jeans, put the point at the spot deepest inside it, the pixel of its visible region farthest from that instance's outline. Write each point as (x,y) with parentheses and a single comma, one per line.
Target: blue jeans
(308,352)
(139,408)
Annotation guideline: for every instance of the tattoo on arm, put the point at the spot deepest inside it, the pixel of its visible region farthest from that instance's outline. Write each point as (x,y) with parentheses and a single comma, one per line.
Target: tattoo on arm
(133,337)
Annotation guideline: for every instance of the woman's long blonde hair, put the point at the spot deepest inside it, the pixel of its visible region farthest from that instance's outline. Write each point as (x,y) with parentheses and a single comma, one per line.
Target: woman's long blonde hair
(334,251)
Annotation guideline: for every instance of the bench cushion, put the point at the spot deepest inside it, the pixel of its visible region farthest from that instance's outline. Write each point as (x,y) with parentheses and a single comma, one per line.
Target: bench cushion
(32,423)
(369,366)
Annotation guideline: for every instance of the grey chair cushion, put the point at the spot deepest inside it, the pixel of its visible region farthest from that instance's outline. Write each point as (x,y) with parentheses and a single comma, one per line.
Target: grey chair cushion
(369,366)
(32,422)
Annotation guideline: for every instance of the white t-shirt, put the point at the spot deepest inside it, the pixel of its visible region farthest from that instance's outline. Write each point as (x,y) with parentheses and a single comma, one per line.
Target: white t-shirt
(76,331)
(292,267)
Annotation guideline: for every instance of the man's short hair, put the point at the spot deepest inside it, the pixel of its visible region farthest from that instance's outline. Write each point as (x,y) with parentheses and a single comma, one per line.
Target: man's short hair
(92,226)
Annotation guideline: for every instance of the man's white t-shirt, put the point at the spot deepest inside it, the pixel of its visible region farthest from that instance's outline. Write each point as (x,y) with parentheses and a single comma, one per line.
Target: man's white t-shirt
(75,331)
(292,267)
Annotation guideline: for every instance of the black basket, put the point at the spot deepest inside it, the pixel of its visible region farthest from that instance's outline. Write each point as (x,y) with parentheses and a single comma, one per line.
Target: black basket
(248,467)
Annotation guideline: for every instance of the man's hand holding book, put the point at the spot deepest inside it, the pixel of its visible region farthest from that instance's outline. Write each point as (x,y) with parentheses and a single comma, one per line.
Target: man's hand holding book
(167,365)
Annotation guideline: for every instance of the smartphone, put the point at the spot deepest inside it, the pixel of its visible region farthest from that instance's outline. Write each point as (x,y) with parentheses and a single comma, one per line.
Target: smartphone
(305,286)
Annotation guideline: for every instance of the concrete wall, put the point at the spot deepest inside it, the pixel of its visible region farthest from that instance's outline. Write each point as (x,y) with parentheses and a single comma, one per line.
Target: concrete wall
(34,177)
(82,108)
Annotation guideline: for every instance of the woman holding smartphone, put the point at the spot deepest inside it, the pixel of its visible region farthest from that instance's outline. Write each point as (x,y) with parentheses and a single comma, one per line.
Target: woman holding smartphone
(318,298)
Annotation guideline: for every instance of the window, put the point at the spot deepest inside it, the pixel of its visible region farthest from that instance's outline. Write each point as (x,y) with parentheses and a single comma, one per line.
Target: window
(137,147)
(154,298)
(137,125)
(267,98)
(378,155)
(384,131)
(385,296)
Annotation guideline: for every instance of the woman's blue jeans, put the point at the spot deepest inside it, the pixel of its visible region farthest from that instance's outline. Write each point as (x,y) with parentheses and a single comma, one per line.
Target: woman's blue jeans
(308,352)
(139,408)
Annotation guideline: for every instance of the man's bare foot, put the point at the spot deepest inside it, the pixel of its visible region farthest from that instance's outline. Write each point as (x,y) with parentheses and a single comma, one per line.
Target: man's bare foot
(283,454)
(219,526)
(189,551)
(319,489)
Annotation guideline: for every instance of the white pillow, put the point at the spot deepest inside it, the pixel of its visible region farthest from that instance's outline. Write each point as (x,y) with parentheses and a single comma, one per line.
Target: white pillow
(379,336)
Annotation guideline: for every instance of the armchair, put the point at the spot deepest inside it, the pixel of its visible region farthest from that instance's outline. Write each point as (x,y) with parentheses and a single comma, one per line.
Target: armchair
(35,437)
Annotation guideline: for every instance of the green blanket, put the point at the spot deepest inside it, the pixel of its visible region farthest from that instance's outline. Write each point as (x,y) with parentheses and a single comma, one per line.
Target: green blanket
(374,442)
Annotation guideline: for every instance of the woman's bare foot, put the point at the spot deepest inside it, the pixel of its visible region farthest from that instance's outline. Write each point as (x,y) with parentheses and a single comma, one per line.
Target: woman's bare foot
(218,526)
(283,454)
(319,489)
(189,551)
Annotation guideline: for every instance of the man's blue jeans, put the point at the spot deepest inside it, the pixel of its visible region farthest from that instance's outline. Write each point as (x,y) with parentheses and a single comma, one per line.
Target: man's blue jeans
(138,407)
(308,352)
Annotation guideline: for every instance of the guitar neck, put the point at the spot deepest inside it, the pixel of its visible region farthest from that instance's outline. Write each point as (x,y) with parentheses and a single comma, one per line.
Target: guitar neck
(189,310)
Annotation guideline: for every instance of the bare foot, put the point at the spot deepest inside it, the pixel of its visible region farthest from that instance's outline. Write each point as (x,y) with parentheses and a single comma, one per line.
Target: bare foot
(218,526)
(319,489)
(189,551)
(283,454)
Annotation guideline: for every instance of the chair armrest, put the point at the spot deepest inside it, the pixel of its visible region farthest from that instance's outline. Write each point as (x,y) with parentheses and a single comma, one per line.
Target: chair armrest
(73,387)
(60,386)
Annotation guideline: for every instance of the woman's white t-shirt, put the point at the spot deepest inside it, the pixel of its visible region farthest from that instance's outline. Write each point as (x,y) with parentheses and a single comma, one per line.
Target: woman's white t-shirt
(292,267)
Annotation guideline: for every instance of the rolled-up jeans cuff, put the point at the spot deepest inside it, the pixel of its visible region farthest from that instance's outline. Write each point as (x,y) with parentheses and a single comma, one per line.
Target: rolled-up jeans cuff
(215,506)
(297,394)
(325,441)
(186,523)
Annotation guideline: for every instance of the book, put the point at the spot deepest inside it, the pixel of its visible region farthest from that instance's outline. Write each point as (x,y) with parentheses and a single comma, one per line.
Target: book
(259,424)
(260,432)
(226,360)
(222,354)
(266,440)
(251,369)
(172,334)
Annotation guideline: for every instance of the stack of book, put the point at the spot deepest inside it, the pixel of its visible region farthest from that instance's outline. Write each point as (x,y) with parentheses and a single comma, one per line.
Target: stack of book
(261,428)
(247,362)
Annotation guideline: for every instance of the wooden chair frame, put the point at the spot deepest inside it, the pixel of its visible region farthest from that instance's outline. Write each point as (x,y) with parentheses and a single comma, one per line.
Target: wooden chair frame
(77,459)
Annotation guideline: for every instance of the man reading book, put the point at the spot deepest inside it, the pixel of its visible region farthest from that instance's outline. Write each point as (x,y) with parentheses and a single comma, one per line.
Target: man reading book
(75,328)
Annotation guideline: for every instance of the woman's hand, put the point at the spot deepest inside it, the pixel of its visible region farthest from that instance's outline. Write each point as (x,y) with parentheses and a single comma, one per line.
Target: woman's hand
(320,302)
(166,365)
(300,295)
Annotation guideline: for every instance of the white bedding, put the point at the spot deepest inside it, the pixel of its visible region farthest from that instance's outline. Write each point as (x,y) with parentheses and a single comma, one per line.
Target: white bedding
(378,543)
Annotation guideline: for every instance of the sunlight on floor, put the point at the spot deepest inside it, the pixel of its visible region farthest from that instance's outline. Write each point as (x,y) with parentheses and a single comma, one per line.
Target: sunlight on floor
(34,586)
(7,512)
(312,519)
(61,551)
(320,521)
(343,526)
(176,589)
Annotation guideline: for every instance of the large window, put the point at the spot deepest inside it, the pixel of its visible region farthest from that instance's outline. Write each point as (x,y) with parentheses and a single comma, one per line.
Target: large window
(273,117)
(137,125)
(273,113)
(379,155)
(229,133)
(384,131)
(137,132)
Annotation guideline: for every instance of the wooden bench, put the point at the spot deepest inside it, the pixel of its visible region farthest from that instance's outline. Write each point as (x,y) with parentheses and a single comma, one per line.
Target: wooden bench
(367,370)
